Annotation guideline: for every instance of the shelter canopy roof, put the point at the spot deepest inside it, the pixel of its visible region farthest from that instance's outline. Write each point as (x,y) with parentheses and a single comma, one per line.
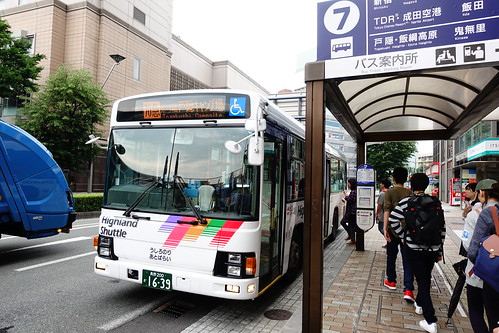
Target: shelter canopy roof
(422,105)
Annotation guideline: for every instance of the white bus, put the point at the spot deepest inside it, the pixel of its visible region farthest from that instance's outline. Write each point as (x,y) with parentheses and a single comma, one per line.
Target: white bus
(204,193)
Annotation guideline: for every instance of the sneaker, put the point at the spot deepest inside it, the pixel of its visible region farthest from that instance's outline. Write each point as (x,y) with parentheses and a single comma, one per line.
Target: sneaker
(351,243)
(418,309)
(431,328)
(390,285)
(409,296)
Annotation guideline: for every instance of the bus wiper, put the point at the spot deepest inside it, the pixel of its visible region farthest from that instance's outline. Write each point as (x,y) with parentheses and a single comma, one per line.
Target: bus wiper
(158,182)
(181,183)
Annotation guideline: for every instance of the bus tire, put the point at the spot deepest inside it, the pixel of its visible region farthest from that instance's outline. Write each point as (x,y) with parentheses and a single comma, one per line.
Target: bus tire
(295,257)
(336,222)
(334,228)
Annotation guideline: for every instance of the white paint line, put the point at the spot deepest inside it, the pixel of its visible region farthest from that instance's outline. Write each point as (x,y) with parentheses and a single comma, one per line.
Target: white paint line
(55,261)
(449,288)
(64,241)
(133,314)
(8,237)
(86,226)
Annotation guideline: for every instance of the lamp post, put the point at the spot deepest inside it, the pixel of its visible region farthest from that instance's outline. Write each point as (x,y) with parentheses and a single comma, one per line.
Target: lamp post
(117,59)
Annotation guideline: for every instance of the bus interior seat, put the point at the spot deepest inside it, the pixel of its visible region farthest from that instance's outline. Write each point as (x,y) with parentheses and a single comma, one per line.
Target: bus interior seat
(205,197)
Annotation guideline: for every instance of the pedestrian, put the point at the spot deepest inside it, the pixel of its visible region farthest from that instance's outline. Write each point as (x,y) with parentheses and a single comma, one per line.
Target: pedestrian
(420,254)
(393,245)
(384,185)
(474,284)
(488,191)
(349,221)
(471,198)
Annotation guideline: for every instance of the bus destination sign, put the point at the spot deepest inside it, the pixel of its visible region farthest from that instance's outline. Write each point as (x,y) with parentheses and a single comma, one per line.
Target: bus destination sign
(175,107)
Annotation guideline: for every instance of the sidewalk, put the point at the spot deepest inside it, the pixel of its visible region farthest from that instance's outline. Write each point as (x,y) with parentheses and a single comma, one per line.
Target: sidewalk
(355,299)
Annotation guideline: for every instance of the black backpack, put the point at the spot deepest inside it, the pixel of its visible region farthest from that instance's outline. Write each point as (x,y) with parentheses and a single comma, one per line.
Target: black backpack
(424,220)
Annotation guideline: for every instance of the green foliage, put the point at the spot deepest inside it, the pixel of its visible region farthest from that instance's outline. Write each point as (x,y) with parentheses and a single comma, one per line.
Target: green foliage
(64,113)
(384,157)
(88,202)
(18,69)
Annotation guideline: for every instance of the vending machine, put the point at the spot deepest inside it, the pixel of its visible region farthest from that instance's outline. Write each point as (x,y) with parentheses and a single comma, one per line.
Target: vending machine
(455,191)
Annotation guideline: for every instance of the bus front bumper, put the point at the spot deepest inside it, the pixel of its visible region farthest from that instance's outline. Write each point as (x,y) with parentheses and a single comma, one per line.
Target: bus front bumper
(181,280)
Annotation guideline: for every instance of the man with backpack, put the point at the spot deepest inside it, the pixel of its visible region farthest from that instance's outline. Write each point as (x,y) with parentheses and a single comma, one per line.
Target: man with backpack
(423,236)
(392,198)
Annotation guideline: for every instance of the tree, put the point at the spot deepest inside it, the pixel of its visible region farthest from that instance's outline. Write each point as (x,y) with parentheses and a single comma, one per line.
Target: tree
(64,113)
(384,157)
(18,69)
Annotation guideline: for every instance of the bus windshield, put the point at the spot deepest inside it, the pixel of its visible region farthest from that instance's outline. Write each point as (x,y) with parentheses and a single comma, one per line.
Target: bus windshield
(186,164)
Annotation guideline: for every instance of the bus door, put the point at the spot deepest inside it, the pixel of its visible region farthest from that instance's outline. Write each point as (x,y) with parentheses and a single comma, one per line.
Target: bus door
(327,201)
(271,209)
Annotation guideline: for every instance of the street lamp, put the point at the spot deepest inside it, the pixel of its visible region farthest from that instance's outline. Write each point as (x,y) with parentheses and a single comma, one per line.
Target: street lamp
(117,59)
(93,140)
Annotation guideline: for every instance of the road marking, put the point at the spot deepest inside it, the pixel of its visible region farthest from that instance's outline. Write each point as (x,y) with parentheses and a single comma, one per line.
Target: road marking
(86,226)
(133,314)
(449,288)
(55,261)
(64,241)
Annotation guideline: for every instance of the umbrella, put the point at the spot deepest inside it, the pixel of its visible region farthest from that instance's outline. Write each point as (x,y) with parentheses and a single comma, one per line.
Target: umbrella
(459,267)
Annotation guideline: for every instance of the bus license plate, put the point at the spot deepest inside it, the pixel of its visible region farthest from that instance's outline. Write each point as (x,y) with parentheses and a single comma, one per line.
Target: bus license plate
(156,280)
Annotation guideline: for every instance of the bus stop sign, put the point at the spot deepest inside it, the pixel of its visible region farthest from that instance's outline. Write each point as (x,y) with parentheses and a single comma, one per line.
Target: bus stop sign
(363,37)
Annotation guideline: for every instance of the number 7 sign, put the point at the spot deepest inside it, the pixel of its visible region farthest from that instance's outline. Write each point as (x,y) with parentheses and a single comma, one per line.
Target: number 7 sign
(341,28)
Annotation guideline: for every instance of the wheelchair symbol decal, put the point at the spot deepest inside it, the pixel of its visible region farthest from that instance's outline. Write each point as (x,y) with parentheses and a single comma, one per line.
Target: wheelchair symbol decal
(237,107)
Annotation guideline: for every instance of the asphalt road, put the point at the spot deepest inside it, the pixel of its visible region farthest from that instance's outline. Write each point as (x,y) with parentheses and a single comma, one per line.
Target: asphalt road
(48,285)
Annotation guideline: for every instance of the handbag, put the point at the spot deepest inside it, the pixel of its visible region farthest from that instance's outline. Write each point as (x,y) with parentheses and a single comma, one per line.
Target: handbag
(487,261)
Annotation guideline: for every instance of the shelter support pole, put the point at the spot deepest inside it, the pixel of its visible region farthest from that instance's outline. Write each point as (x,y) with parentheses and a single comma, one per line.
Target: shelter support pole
(361,159)
(313,251)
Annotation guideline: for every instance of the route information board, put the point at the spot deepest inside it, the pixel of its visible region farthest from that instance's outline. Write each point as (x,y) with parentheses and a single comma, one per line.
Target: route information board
(362,37)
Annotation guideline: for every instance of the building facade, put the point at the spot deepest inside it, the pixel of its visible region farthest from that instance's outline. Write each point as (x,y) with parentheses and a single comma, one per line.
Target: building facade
(85,34)
(470,158)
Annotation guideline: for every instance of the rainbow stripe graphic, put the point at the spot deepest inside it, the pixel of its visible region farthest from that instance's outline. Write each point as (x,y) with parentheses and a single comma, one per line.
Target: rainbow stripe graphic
(220,231)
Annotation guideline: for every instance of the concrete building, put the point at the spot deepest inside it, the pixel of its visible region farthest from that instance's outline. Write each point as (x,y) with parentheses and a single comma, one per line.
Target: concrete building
(470,158)
(192,70)
(423,161)
(85,34)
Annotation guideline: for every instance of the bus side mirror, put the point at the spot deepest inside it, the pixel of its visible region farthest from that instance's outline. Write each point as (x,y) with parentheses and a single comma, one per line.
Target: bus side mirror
(256,151)
(253,125)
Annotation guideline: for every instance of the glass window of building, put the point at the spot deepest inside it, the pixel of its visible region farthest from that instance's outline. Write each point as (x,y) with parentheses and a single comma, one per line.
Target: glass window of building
(136,69)
(139,15)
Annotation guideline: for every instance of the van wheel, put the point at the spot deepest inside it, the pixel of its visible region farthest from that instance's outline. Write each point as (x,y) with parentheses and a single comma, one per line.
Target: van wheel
(295,260)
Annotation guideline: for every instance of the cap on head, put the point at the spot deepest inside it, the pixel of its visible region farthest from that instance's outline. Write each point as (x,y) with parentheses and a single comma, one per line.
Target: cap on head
(485,184)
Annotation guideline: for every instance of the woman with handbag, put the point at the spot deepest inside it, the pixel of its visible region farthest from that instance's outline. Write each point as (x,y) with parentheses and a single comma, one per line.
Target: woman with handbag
(485,226)
(474,284)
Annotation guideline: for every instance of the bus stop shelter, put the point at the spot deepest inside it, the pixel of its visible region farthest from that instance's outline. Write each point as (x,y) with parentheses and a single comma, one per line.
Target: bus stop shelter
(404,94)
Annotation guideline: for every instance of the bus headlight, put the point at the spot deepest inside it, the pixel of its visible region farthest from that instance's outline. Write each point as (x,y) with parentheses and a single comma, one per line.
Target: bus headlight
(236,265)
(234,271)
(234,258)
(104,251)
(105,247)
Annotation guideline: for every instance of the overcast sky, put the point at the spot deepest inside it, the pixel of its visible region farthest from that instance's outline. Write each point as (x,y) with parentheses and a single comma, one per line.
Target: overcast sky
(264,38)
